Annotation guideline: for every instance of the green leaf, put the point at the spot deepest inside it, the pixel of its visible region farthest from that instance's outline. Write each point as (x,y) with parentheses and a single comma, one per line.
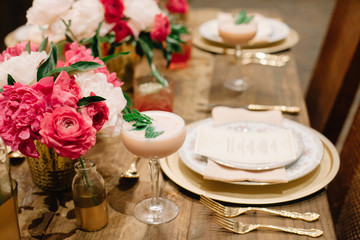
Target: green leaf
(95,48)
(68,38)
(107,58)
(1,90)
(240,17)
(43,45)
(28,47)
(88,100)
(135,115)
(160,78)
(81,66)
(146,47)
(10,80)
(49,64)
(128,100)
(150,133)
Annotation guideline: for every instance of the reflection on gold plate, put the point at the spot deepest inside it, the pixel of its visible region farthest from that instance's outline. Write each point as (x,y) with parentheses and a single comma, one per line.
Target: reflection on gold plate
(290,41)
(265,194)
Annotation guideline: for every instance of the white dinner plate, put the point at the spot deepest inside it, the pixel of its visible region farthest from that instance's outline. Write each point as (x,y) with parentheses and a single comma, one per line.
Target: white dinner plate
(270,29)
(312,149)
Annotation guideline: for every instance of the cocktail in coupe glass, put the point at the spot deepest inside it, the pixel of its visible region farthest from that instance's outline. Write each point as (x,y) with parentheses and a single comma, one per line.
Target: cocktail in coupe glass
(155,210)
(237,35)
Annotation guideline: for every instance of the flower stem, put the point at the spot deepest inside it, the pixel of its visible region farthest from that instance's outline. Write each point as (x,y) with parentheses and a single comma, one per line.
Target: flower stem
(87,180)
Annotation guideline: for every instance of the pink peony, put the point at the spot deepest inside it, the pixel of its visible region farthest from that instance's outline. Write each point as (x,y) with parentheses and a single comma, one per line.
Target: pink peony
(177,6)
(113,10)
(161,28)
(21,112)
(68,132)
(16,50)
(121,30)
(78,53)
(98,112)
(66,92)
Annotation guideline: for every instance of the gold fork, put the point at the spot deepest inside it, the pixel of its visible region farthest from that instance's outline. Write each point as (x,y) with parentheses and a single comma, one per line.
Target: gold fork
(242,228)
(236,211)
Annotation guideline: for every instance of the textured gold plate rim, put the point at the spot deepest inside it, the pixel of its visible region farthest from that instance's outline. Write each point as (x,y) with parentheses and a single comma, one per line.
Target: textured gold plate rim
(290,41)
(248,194)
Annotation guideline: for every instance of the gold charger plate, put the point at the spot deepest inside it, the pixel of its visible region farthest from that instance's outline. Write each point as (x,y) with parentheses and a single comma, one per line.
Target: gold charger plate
(291,40)
(178,172)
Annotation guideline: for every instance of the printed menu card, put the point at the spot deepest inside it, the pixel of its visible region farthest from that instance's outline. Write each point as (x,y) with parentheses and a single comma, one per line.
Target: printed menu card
(245,147)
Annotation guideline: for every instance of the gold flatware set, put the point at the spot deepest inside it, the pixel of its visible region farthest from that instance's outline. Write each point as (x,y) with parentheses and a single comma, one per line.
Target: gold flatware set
(223,214)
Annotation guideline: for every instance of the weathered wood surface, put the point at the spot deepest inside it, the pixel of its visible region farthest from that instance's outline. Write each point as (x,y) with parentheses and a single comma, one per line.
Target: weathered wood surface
(51,216)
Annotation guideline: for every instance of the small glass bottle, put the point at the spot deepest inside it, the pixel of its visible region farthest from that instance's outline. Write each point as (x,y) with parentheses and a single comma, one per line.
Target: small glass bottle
(89,195)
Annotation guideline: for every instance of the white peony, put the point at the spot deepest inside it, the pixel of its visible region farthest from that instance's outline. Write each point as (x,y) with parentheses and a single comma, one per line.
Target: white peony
(43,12)
(141,13)
(22,68)
(85,17)
(115,100)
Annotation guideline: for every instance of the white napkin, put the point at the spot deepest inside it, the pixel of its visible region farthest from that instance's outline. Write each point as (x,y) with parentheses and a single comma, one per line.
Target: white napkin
(218,172)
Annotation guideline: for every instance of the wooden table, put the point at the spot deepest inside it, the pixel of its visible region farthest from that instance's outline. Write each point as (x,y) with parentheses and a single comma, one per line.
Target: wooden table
(46,215)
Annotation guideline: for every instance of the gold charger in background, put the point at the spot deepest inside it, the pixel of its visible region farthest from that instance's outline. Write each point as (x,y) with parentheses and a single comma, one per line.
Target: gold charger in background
(290,41)
(178,172)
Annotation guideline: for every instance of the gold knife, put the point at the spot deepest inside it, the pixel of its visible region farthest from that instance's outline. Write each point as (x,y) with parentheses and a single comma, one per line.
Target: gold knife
(254,107)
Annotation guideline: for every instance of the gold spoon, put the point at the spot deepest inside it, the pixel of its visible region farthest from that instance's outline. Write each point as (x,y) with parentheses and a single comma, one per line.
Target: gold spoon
(132,171)
(16,154)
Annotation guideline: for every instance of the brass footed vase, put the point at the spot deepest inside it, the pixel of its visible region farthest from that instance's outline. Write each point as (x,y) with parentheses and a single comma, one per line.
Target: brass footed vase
(51,172)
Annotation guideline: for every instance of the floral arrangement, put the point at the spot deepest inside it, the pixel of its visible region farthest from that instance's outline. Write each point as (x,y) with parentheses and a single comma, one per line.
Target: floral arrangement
(58,103)
(93,22)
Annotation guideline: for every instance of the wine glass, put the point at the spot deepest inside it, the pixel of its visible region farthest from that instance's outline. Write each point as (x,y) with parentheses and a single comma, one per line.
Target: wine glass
(238,35)
(155,210)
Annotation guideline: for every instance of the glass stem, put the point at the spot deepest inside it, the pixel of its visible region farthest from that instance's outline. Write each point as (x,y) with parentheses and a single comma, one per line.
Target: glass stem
(238,52)
(154,167)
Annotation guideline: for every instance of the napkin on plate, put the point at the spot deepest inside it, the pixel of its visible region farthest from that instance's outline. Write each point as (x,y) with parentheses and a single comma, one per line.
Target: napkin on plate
(218,172)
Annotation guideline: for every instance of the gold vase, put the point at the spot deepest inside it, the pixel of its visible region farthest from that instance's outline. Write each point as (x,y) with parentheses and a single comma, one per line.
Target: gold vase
(51,172)
(123,65)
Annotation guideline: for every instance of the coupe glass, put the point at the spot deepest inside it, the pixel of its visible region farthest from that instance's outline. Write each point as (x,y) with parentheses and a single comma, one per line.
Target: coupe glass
(155,210)
(237,35)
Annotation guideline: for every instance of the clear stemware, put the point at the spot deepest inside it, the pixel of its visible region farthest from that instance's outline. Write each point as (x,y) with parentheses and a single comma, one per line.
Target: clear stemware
(236,35)
(155,210)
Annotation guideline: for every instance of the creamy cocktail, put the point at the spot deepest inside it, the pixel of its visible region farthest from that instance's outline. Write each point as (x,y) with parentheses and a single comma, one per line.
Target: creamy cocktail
(236,30)
(154,135)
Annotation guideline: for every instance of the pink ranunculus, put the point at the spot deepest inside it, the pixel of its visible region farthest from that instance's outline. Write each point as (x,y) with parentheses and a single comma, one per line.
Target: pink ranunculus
(177,6)
(68,132)
(21,112)
(66,92)
(113,10)
(161,28)
(121,30)
(45,86)
(17,50)
(98,112)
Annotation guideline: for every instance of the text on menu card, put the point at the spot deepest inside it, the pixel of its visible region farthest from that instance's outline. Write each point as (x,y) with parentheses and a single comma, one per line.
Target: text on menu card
(245,147)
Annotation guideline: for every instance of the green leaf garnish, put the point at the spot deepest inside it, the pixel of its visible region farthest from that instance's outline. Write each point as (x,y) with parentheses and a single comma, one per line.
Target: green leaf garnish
(43,45)
(142,121)
(81,66)
(150,133)
(242,18)
(88,100)
(10,80)
(48,65)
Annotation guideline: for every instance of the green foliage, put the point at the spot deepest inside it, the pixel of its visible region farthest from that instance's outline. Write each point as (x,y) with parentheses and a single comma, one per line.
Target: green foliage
(242,18)
(88,100)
